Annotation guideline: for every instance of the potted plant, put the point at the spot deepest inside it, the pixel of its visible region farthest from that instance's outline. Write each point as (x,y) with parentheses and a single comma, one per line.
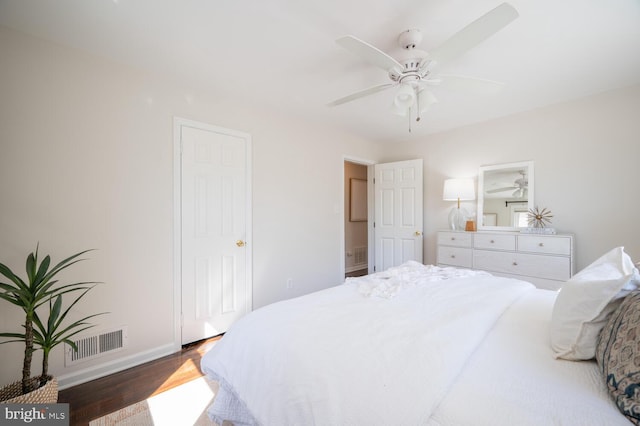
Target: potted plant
(41,332)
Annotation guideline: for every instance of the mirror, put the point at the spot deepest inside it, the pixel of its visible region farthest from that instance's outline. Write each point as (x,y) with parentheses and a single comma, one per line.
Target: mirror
(505,195)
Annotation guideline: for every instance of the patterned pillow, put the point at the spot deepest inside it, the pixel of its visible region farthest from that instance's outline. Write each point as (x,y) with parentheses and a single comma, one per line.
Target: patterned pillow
(618,356)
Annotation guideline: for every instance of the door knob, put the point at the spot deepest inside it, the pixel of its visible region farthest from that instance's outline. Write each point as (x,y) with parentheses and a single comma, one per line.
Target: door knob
(240,243)
(417,233)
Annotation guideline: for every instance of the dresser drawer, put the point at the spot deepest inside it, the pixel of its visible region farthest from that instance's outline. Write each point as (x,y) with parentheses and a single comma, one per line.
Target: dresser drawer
(455,256)
(494,241)
(549,267)
(457,239)
(540,244)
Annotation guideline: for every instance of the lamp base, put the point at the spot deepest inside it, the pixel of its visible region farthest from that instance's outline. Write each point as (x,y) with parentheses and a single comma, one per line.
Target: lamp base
(458,219)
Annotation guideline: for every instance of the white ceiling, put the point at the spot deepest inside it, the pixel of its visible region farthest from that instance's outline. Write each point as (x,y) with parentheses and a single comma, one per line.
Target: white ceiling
(282,53)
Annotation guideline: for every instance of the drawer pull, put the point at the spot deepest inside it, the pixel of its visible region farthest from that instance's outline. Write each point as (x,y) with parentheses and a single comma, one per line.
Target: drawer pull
(453,238)
(541,244)
(492,241)
(515,263)
(453,256)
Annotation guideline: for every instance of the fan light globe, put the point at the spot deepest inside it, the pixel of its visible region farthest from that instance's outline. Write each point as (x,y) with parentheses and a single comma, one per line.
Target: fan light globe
(425,100)
(404,96)
(399,110)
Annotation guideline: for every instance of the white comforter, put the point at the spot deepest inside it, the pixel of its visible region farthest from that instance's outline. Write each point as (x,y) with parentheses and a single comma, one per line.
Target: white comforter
(379,350)
(513,378)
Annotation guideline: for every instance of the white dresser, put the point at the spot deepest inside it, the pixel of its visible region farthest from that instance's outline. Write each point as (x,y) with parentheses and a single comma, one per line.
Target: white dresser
(544,260)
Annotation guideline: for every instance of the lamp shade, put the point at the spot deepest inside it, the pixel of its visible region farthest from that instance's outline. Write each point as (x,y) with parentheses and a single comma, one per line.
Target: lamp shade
(399,110)
(405,96)
(425,100)
(458,189)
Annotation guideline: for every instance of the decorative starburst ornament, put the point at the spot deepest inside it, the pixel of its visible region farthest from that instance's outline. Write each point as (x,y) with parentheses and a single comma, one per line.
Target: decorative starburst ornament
(539,218)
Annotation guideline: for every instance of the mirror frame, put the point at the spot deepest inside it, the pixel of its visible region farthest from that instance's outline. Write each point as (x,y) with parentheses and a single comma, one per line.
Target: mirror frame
(530,193)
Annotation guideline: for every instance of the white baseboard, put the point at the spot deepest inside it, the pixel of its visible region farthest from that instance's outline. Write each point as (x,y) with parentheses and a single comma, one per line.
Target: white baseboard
(97,371)
(356,267)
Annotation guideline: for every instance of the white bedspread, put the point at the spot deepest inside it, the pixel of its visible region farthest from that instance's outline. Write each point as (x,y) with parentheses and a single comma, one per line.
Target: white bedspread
(513,378)
(369,352)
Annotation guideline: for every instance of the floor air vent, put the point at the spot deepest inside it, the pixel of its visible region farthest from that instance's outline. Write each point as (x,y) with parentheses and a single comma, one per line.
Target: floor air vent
(90,347)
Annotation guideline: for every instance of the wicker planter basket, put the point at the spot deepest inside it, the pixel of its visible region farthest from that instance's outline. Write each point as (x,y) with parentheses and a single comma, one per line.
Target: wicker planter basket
(47,394)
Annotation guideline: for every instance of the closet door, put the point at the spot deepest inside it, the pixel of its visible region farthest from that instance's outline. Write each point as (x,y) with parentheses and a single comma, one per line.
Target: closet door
(215,251)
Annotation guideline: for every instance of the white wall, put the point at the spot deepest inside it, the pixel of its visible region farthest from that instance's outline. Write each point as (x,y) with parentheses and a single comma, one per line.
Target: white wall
(86,162)
(586,155)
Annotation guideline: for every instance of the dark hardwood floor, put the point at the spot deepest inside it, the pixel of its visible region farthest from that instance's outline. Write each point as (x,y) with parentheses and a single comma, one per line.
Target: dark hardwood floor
(357,273)
(102,396)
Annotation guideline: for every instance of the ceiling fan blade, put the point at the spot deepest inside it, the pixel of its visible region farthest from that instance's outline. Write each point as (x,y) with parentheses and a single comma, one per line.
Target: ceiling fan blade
(361,94)
(474,33)
(507,188)
(371,54)
(470,84)
(519,193)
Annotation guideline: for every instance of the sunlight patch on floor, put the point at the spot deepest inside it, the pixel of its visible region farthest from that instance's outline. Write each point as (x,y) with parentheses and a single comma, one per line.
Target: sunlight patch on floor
(185,406)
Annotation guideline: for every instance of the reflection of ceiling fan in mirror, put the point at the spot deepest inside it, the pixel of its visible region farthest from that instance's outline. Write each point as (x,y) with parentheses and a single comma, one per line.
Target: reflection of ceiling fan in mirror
(520,187)
(415,71)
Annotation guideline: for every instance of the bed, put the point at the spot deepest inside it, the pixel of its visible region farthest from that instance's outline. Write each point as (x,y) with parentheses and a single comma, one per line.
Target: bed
(422,345)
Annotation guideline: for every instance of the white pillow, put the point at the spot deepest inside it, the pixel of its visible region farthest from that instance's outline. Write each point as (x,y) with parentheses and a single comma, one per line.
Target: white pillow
(585,302)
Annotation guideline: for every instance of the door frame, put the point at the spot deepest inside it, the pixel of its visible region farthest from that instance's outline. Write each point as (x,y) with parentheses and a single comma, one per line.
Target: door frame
(178,123)
(370,214)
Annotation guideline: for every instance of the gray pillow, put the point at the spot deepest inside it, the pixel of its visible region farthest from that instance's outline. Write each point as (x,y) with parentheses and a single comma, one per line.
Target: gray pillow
(618,356)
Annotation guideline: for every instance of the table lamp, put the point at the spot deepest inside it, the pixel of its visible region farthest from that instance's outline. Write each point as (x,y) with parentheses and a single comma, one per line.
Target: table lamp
(457,190)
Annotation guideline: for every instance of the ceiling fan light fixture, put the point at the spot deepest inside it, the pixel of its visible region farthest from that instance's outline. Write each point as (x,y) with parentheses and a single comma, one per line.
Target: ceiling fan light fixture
(414,68)
(405,96)
(399,110)
(425,100)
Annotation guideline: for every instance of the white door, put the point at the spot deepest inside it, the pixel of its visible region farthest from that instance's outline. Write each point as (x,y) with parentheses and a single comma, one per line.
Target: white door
(398,213)
(216,252)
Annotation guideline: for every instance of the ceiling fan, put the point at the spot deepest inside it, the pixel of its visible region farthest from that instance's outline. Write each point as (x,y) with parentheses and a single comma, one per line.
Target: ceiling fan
(520,185)
(414,72)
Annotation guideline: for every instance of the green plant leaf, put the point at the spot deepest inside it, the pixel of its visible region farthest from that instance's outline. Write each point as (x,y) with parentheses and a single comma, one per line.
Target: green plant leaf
(65,264)
(20,340)
(32,261)
(42,270)
(54,312)
(12,335)
(55,333)
(62,337)
(8,273)
(72,344)
(43,297)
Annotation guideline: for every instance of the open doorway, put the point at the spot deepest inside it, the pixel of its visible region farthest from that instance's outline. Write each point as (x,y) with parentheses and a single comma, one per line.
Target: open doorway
(356,233)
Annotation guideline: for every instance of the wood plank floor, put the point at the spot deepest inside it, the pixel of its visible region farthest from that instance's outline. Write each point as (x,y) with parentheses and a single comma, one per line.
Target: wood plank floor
(357,273)
(102,396)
